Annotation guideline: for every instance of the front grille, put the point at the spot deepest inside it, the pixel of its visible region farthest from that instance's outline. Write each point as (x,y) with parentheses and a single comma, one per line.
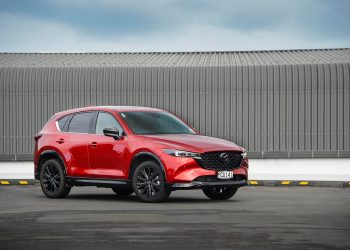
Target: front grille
(227,160)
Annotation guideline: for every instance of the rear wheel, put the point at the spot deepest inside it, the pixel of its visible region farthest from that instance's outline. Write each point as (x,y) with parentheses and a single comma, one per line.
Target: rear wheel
(53,180)
(123,190)
(220,193)
(149,182)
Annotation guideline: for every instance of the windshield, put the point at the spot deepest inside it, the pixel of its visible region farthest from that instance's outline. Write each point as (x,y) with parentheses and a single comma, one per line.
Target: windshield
(145,123)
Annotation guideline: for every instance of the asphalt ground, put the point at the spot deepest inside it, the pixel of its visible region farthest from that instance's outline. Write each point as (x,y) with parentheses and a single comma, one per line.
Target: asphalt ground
(256,218)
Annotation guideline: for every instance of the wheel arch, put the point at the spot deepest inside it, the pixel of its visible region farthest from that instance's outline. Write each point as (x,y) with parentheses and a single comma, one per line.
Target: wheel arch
(141,157)
(45,156)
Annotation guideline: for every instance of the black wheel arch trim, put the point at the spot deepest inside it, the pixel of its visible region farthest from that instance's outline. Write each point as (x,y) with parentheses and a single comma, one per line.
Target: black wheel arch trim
(49,152)
(149,154)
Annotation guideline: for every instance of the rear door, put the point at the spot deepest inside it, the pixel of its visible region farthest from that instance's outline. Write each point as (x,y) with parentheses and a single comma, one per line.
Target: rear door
(106,154)
(76,143)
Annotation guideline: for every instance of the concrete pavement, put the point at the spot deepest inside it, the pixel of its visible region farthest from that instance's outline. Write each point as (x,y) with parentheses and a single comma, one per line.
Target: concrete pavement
(256,218)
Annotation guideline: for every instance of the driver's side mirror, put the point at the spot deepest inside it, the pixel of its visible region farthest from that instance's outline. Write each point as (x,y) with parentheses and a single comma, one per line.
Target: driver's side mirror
(112,132)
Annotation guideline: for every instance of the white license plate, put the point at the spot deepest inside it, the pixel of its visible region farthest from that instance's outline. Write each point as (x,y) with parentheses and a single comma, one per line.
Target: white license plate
(225,174)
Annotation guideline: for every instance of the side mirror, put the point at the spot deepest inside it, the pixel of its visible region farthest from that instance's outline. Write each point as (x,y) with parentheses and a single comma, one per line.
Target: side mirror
(112,132)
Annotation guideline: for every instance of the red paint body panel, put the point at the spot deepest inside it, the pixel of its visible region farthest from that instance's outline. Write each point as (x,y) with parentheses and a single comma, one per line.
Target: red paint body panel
(100,156)
(108,157)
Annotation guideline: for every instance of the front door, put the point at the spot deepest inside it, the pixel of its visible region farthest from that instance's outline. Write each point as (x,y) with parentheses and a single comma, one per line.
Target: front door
(106,154)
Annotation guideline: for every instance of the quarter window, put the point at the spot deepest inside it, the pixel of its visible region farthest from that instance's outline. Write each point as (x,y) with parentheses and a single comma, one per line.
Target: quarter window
(62,122)
(80,122)
(105,120)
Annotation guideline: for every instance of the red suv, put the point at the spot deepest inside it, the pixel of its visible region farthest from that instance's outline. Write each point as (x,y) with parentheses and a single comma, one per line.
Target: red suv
(134,149)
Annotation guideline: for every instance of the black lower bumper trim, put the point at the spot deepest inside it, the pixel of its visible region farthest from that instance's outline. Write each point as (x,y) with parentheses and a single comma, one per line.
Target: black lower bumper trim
(201,184)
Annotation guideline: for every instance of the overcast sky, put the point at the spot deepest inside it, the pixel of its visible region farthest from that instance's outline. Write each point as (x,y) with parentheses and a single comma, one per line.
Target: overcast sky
(172,25)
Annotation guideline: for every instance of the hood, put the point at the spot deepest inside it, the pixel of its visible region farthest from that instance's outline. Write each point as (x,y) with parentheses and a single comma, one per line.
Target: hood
(193,143)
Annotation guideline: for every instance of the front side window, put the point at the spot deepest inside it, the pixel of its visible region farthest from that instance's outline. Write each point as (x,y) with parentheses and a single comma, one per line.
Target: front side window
(105,120)
(80,122)
(155,123)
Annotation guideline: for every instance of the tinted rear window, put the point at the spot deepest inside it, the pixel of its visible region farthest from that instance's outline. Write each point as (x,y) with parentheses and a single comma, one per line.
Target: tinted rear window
(80,122)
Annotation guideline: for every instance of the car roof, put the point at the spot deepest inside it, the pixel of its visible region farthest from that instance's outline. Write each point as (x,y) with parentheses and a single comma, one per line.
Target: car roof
(109,108)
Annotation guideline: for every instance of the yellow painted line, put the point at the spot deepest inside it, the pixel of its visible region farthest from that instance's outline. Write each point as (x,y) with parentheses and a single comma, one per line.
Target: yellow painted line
(285,182)
(304,183)
(253,182)
(4,182)
(23,182)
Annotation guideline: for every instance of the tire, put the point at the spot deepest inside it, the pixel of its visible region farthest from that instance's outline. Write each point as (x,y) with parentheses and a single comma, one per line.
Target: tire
(53,180)
(123,190)
(220,193)
(149,183)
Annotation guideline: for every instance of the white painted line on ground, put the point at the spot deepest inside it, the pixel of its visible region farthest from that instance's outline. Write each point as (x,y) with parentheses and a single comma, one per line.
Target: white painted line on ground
(266,169)
(300,169)
(16,170)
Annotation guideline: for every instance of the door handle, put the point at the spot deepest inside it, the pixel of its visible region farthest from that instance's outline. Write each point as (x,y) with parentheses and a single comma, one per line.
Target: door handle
(60,141)
(93,144)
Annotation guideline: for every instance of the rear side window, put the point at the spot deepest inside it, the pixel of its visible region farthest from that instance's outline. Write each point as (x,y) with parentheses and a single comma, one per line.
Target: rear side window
(62,123)
(80,122)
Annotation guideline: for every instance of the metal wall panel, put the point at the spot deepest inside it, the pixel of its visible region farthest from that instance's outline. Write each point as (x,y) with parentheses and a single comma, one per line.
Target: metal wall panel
(273,111)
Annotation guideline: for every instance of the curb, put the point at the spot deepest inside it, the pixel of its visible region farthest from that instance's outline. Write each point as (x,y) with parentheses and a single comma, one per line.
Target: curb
(21,182)
(299,183)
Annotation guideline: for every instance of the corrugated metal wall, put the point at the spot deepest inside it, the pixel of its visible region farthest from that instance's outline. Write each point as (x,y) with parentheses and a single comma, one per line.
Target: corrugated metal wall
(273,111)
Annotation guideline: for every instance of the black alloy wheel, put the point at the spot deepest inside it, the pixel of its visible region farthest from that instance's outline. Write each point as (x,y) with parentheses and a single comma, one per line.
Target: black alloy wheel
(149,182)
(220,193)
(52,179)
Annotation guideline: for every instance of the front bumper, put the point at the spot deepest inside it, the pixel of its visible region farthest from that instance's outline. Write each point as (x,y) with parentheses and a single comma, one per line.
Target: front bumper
(202,184)
(184,170)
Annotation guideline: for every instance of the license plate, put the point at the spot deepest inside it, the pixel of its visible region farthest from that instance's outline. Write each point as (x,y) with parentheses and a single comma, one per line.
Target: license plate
(225,174)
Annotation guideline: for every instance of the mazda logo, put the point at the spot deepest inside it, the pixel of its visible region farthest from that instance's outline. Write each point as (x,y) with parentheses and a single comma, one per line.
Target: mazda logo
(224,157)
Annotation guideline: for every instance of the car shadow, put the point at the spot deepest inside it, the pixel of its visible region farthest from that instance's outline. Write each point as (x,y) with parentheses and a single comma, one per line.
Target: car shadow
(132,198)
(195,200)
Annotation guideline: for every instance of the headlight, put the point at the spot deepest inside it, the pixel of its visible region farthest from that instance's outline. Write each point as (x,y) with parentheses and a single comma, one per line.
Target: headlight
(179,153)
(244,154)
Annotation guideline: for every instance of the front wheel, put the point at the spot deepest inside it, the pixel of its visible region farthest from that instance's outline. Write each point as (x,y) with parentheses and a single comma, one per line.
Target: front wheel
(220,193)
(53,180)
(149,182)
